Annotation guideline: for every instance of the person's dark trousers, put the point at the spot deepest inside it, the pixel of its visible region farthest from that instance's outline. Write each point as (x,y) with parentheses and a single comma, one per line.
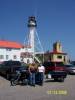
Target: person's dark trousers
(41,78)
(32,79)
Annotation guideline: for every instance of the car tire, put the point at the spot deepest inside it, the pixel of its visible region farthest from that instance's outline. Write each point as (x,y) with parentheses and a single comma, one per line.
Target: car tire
(13,82)
(25,82)
(61,79)
(55,79)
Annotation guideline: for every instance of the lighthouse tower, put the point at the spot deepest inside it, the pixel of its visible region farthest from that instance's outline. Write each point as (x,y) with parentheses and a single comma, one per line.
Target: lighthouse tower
(32,28)
(34,41)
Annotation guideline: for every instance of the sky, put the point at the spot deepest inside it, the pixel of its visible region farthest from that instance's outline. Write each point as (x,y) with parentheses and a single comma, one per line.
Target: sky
(55,22)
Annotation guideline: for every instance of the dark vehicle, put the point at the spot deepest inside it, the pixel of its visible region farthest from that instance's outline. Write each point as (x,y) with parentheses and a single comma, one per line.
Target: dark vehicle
(56,70)
(7,68)
(72,62)
(70,68)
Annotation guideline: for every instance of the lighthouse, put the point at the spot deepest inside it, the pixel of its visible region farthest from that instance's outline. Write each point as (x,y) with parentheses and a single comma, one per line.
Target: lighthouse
(32,29)
(34,41)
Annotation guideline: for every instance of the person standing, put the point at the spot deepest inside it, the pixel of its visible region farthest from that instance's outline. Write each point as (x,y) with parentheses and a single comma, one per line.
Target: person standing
(32,71)
(41,71)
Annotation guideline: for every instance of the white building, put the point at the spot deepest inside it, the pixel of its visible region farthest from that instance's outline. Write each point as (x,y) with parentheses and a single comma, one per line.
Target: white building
(14,51)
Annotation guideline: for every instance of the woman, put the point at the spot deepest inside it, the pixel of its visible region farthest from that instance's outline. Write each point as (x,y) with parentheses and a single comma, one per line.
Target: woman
(41,71)
(32,71)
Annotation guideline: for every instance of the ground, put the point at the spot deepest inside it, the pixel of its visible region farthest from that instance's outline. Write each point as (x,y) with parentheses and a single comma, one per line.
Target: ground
(49,91)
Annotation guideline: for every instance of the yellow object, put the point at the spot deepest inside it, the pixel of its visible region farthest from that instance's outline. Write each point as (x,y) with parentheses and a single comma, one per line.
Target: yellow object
(57,92)
(57,55)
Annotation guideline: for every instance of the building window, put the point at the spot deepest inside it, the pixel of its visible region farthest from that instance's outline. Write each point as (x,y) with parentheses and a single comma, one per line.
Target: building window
(59,57)
(7,57)
(28,61)
(1,56)
(14,57)
(8,49)
(64,58)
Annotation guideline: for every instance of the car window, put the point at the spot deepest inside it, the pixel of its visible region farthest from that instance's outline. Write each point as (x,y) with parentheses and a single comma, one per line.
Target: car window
(70,66)
(52,64)
(19,68)
(15,63)
(5,63)
(59,64)
(48,64)
(73,62)
(11,63)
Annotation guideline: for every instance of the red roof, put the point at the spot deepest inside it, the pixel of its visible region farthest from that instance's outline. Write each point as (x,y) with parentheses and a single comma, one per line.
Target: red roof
(10,44)
(57,53)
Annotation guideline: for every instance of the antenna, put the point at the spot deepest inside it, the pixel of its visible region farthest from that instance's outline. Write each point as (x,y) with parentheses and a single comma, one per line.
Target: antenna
(35,8)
